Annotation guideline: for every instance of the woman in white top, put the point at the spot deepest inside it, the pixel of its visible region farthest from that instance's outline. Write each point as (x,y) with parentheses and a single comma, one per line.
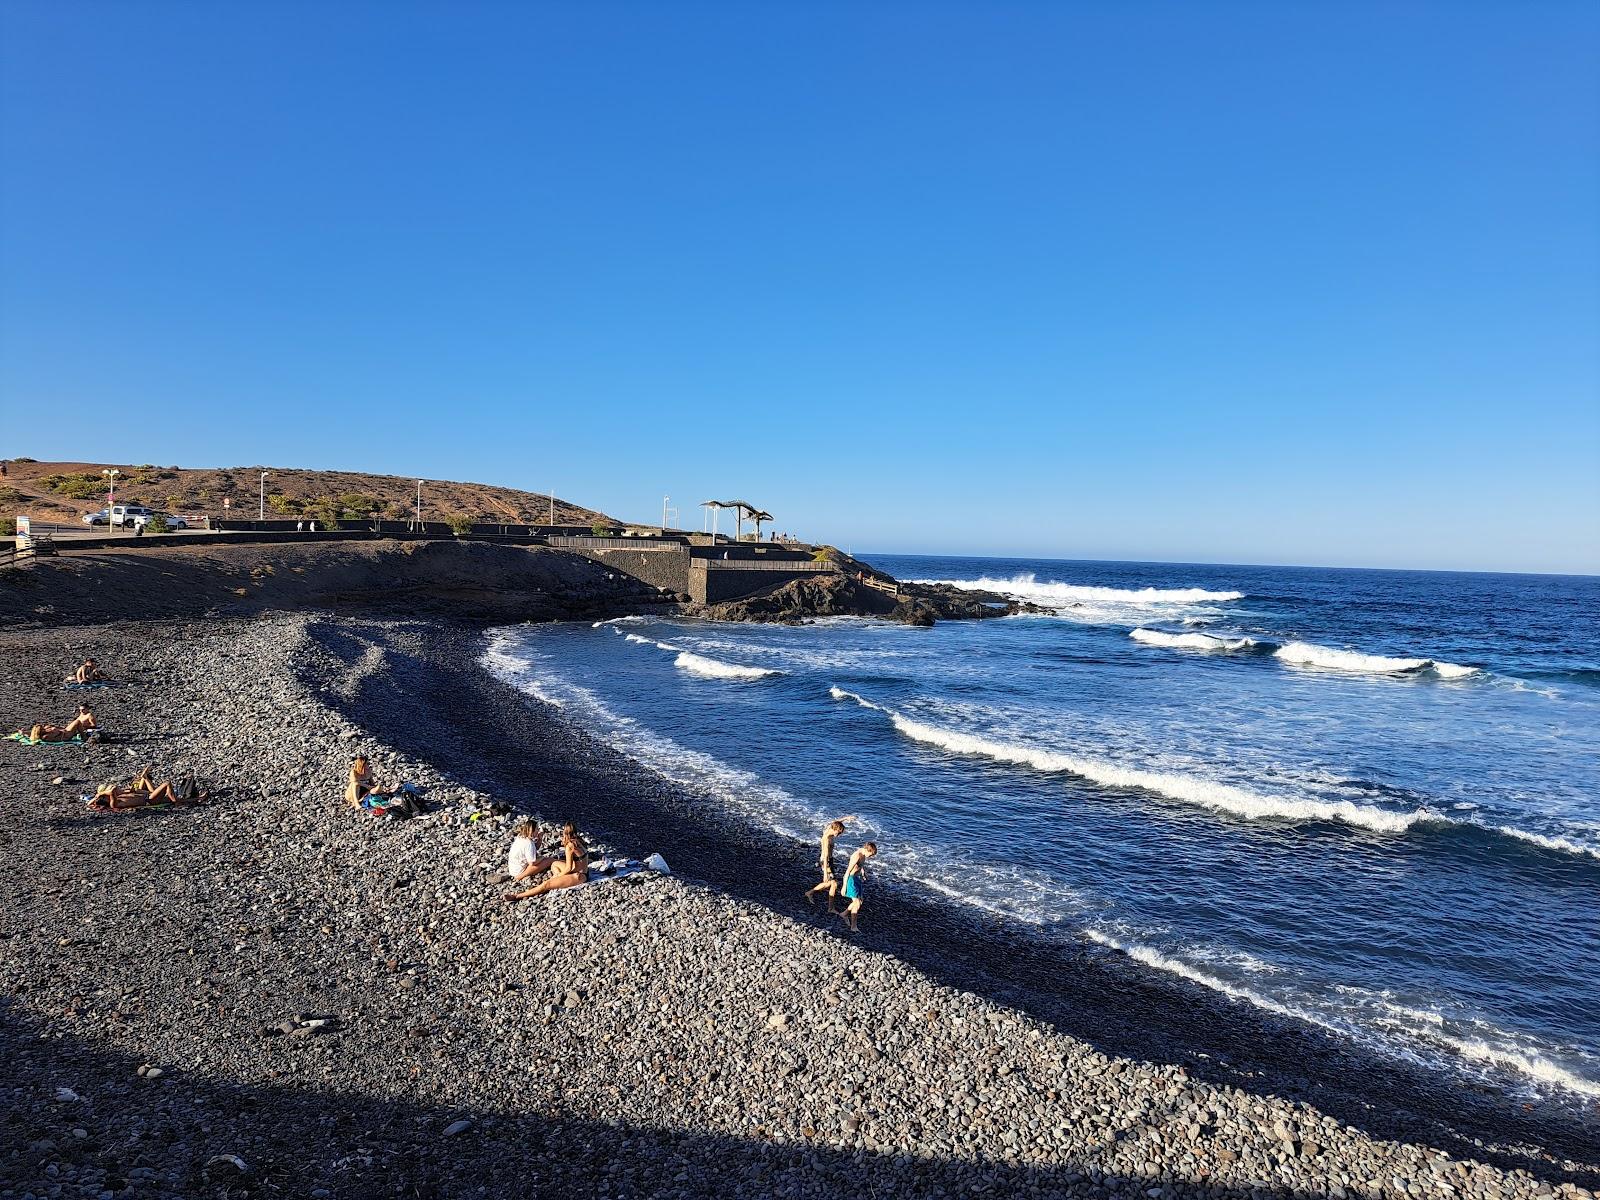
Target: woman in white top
(523,858)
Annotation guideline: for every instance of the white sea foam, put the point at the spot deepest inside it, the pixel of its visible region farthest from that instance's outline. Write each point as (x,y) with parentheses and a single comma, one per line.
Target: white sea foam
(1163,962)
(702,664)
(1414,1025)
(1533,1065)
(1189,789)
(1564,845)
(1309,654)
(1208,642)
(1060,595)
(715,668)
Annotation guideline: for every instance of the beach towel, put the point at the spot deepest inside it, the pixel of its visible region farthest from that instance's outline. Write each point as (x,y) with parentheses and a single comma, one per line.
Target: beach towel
(608,869)
(84,687)
(401,803)
(75,740)
(159,806)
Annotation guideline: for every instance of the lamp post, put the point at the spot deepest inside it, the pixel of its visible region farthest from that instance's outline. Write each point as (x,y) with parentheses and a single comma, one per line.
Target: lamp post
(261,515)
(111,496)
(419,505)
(664,500)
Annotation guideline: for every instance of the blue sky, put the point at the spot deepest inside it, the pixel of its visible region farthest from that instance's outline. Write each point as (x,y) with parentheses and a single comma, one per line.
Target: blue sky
(1241,283)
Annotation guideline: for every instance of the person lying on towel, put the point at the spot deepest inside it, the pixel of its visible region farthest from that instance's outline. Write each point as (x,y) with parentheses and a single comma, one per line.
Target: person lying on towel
(143,793)
(80,726)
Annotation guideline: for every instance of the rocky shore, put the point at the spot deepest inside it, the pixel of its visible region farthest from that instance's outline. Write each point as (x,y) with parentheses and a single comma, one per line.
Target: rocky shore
(271,995)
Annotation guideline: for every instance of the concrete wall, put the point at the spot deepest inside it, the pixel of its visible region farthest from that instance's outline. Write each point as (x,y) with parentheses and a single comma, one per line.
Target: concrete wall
(712,584)
(660,566)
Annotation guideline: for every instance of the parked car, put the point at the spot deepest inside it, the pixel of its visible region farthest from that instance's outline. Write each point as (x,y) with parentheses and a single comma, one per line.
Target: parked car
(123,514)
(142,519)
(96,518)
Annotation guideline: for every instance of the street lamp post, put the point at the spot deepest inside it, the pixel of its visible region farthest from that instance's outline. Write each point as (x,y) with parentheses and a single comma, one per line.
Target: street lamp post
(419,505)
(261,514)
(111,496)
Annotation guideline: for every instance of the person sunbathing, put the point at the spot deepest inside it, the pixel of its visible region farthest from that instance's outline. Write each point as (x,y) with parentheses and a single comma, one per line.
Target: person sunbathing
(46,732)
(571,869)
(89,672)
(141,793)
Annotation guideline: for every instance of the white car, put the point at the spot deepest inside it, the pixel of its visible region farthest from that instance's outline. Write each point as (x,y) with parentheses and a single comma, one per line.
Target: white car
(140,520)
(96,518)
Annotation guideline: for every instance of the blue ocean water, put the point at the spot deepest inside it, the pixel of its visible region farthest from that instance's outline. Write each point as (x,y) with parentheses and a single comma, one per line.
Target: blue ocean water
(1367,799)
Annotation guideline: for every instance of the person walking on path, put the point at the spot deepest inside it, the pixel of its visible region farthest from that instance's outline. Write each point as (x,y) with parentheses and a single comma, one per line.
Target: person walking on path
(855,878)
(830,882)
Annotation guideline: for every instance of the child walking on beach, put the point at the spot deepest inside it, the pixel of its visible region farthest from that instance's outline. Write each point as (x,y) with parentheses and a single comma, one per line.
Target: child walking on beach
(855,877)
(830,883)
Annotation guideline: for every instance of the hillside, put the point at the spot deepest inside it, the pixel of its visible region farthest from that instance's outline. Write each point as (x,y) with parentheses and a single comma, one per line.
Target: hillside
(64,491)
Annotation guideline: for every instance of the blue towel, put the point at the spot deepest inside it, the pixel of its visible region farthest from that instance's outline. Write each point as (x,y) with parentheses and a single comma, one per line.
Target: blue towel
(84,687)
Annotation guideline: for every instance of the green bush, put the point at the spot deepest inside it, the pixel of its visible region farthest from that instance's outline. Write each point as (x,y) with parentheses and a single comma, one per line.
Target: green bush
(156,524)
(459,524)
(600,529)
(8,527)
(284,506)
(78,485)
(22,460)
(825,554)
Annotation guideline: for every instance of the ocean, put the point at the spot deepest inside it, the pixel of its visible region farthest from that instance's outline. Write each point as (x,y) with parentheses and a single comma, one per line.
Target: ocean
(1369,800)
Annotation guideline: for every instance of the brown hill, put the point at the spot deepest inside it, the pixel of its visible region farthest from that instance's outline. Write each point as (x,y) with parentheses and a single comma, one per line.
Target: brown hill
(64,491)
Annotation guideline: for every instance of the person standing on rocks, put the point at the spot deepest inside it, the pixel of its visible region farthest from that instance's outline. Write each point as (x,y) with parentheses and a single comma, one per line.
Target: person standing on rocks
(830,882)
(855,877)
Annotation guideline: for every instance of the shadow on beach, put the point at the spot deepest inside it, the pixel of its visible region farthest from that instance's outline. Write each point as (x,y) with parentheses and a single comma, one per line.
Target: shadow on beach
(172,1136)
(434,702)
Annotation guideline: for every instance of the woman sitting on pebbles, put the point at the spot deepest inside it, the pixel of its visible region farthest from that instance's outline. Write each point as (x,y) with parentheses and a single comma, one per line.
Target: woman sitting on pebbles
(571,869)
(89,672)
(523,860)
(79,726)
(362,792)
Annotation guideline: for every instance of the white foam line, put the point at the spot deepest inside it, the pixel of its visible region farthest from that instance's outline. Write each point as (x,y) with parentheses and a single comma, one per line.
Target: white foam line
(715,668)
(1530,1064)
(1207,793)
(1050,593)
(1309,654)
(1207,642)
(703,665)
(1562,844)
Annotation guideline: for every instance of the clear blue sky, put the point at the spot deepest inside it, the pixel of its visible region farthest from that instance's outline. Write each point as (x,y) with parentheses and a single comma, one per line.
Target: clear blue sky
(1307,283)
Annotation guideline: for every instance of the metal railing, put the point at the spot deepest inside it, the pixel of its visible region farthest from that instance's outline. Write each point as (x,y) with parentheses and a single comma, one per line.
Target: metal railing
(614,543)
(766,564)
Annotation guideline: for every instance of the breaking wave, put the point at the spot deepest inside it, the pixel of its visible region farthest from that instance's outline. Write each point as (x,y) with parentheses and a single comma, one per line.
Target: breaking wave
(1188,789)
(715,668)
(702,664)
(1208,642)
(1065,595)
(1309,654)
(1560,844)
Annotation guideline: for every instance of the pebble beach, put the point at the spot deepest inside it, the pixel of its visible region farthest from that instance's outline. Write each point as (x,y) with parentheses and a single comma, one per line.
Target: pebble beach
(270,994)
